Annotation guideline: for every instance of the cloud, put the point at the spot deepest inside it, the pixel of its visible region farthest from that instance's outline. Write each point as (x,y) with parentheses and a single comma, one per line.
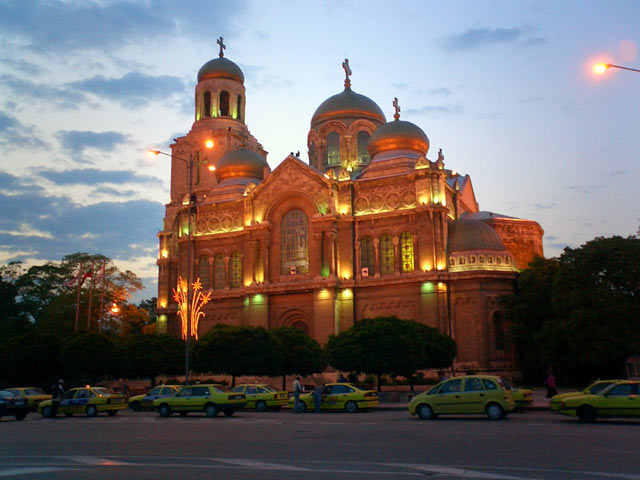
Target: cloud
(63,27)
(77,141)
(12,184)
(21,65)
(134,89)
(93,176)
(475,38)
(114,192)
(63,97)
(14,134)
(541,206)
(618,173)
(439,91)
(436,110)
(584,189)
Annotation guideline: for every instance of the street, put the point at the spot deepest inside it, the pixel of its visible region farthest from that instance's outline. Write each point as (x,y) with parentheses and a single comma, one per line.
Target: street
(378,444)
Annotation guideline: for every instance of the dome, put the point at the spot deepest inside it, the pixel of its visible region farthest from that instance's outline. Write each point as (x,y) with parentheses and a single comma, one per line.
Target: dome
(221,68)
(348,103)
(467,235)
(398,135)
(239,165)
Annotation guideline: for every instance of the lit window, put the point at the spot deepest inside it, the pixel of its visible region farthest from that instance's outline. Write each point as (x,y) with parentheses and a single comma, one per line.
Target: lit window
(406,246)
(294,242)
(490,260)
(387,257)
(498,260)
(363,141)
(333,149)
(224,103)
(366,255)
(473,259)
(239,107)
(203,272)
(236,270)
(218,273)
(452,261)
(481,259)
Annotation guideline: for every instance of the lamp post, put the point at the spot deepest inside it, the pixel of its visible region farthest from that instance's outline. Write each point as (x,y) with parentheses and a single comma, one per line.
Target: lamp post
(600,68)
(191,203)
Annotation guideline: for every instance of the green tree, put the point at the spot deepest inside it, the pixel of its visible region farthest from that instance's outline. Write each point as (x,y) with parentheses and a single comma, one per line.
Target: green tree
(388,345)
(14,320)
(236,351)
(30,359)
(301,354)
(89,356)
(147,356)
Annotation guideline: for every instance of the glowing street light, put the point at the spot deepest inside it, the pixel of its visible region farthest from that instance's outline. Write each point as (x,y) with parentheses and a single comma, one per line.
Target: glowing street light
(600,68)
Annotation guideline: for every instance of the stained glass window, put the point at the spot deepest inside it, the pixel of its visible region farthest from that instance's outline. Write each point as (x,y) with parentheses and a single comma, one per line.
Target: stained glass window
(236,270)
(218,273)
(367,255)
(294,242)
(363,141)
(387,257)
(203,272)
(406,245)
(333,149)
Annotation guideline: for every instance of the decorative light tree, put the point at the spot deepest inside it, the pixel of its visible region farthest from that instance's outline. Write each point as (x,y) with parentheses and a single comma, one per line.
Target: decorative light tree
(198,300)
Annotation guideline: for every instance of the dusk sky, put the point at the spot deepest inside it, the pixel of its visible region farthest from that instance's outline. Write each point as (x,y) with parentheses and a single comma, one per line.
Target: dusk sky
(504,88)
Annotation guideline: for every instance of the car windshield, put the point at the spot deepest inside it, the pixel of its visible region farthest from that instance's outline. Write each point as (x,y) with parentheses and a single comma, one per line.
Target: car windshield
(33,391)
(5,394)
(598,387)
(268,388)
(505,385)
(219,388)
(101,390)
(356,387)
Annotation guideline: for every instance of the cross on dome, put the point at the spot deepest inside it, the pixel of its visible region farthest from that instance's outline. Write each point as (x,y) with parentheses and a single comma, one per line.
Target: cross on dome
(222,47)
(347,71)
(397,107)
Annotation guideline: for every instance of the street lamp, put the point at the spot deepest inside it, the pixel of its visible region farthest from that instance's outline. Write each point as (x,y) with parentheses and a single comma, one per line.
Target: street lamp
(192,201)
(600,68)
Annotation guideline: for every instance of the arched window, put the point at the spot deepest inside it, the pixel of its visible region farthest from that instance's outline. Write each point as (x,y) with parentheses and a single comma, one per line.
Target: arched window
(219,273)
(239,106)
(406,248)
(294,242)
(203,272)
(224,103)
(207,104)
(236,270)
(333,149)
(498,330)
(367,255)
(363,141)
(387,258)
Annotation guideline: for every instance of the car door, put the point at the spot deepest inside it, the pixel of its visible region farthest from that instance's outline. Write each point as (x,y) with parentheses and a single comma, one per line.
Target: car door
(199,397)
(251,395)
(618,401)
(151,395)
(182,399)
(473,396)
(447,400)
(66,404)
(330,397)
(81,400)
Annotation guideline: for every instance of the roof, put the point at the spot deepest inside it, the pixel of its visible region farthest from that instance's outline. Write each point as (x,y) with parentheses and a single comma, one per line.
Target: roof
(465,235)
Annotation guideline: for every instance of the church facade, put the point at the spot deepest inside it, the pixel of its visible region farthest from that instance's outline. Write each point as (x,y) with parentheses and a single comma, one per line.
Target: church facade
(372,225)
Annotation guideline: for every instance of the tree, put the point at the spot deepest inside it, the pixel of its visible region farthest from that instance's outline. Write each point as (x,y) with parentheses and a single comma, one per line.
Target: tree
(13,319)
(235,351)
(388,345)
(587,319)
(89,356)
(301,354)
(30,359)
(147,356)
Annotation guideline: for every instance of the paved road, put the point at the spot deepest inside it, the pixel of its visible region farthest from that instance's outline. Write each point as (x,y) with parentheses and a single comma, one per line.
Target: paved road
(380,444)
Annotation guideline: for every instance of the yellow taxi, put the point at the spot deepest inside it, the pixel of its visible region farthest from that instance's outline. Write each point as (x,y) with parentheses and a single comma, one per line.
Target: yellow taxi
(33,395)
(471,394)
(339,396)
(262,397)
(139,402)
(621,399)
(522,396)
(594,388)
(88,400)
(210,399)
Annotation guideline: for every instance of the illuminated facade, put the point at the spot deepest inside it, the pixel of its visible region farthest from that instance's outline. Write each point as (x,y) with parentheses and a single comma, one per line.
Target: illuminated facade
(370,226)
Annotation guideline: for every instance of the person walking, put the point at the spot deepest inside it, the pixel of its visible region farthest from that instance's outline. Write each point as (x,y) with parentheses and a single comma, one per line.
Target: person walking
(298,388)
(56,396)
(550,382)
(342,378)
(317,396)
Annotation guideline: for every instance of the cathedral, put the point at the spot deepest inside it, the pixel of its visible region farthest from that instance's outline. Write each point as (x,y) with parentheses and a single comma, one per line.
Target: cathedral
(374,224)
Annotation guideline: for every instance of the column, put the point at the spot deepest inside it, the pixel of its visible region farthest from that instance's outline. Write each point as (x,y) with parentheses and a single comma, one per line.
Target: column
(376,256)
(397,256)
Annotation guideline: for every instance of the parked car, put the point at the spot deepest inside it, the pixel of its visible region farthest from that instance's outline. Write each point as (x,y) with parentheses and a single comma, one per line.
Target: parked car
(340,396)
(471,394)
(13,405)
(145,400)
(88,400)
(618,400)
(33,395)
(594,388)
(522,396)
(210,399)
(262,397)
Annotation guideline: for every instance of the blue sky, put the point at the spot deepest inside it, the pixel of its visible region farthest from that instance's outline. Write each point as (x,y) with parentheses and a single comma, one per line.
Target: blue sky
(504,88)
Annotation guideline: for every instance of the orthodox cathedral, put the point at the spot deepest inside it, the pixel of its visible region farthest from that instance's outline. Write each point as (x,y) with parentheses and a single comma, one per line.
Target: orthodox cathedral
(374,224)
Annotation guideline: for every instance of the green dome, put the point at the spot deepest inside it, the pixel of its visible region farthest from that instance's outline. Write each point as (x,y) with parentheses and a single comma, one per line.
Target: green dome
(221,68)
(348,104)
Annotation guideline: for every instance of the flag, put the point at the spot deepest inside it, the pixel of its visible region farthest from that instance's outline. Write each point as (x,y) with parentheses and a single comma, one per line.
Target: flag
(100,275)
(86,275)
(72,281)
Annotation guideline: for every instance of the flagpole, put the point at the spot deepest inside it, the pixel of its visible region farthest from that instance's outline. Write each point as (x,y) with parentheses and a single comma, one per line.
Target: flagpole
(90,295)
(75,329)
(101,296)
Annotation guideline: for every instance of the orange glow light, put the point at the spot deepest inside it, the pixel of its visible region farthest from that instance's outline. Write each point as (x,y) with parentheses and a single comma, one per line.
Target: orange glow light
(115,308)
(600,68)
(209,144)
(211,168)
(153,153)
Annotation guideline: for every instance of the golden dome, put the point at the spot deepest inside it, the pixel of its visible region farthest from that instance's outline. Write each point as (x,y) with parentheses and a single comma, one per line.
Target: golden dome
(241,166)
(348,104)
(221,68)
(398,135)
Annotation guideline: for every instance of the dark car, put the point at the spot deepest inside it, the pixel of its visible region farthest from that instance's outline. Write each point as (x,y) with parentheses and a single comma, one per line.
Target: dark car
(13,405)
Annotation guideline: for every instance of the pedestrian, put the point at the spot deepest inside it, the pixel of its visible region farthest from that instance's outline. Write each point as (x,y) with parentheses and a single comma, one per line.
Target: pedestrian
(56,396)
(317,396)
(298,388)
(550,382)
(342,379)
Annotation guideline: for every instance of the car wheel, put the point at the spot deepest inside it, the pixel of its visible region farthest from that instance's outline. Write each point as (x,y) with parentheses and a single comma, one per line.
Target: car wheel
(586,413)
(136,406)
(425,412)
(20,416)
(164,410)
(92,411)
(351,406)
(261,406)
(495,411)
(46,412)
(211,411)
(112,412)
(229,413)
(300,407)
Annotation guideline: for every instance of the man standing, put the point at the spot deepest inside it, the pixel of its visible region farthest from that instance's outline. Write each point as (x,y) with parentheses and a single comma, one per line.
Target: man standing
(56,396)
(317,396)
(297,390)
